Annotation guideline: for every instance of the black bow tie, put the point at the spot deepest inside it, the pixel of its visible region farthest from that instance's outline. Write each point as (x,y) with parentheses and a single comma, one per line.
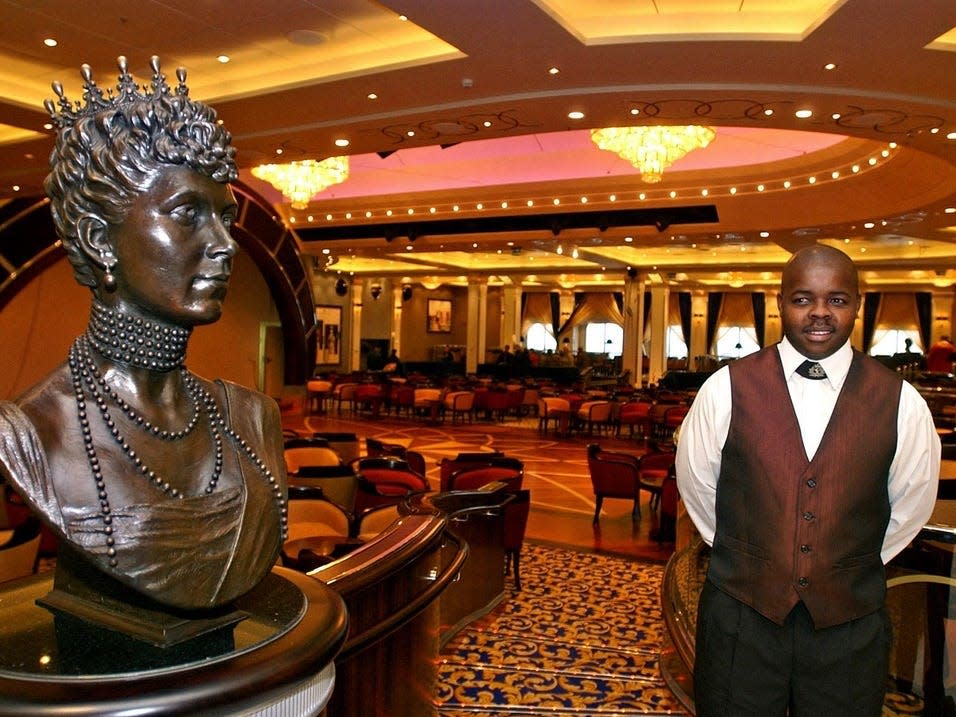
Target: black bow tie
(811,370)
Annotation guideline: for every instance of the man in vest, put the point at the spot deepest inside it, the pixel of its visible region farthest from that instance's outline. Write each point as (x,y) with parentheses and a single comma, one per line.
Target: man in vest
(806,466)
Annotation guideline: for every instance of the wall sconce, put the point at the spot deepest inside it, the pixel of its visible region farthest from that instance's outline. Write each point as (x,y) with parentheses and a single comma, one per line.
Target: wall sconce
(376,291)
(341,287)
(406,292)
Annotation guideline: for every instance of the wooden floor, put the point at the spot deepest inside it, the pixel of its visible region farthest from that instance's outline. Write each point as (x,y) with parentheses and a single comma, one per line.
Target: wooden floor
(556,472)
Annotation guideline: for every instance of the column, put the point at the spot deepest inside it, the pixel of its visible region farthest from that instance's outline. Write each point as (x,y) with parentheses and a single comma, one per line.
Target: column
(632,358)
(477,323)
(773,327)
(565,307)
(355,330)
(510,315)
(660,295)
(395,331)
(698,329)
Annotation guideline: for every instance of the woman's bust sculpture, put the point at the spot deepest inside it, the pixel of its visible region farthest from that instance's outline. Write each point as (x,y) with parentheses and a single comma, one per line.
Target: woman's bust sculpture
(166,482)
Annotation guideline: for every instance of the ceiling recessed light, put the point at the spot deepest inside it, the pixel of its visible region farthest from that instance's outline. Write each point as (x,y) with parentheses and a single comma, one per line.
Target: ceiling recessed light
(635,111)
(372,96)
(553,70)
(576,115)
(50,42)
(222,58)
(830,66)
(803,114)
(341,142)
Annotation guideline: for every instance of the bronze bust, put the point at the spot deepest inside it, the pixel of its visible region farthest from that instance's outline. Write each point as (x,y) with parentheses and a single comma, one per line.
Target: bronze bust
(170,484)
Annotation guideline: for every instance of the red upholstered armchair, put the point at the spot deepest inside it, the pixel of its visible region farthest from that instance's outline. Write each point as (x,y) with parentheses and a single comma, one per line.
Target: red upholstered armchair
(637,414)
(385,481)
(614,475)
(472,477)
(447,466)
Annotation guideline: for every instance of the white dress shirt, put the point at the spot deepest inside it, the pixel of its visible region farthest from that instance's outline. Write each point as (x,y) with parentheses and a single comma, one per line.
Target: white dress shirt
(914,471)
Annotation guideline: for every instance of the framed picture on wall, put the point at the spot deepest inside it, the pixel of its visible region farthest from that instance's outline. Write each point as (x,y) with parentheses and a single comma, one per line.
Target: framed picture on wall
(328,334)
(439,316)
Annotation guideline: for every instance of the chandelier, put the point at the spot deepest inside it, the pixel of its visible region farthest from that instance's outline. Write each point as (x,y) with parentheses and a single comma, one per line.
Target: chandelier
(302,180)
(653,148)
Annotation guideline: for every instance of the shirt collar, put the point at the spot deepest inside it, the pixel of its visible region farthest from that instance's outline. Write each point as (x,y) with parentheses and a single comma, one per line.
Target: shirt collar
(836,365)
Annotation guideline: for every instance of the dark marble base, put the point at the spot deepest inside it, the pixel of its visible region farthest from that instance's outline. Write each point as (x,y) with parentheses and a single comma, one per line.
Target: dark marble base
(52,663)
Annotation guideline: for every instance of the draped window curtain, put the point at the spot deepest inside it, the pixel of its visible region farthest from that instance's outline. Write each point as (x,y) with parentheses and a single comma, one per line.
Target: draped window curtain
(871,307)
(760,311)
(537,309)
(735,310)
(714,301)
(684,308)
(899,311)
(598,307)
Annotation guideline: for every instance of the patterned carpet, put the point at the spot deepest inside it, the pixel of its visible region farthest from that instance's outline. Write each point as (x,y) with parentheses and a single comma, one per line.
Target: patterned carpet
(582,637)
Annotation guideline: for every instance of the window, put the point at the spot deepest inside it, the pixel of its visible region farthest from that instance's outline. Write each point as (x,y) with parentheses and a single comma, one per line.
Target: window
(887,342)
(676,346)
(539,338)
(604,339)
(736,341)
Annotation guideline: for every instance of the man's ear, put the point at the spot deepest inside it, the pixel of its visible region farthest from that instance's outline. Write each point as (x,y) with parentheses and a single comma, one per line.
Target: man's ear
(93,237)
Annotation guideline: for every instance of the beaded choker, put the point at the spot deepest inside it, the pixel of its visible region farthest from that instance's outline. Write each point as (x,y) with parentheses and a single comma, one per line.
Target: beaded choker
(135,341)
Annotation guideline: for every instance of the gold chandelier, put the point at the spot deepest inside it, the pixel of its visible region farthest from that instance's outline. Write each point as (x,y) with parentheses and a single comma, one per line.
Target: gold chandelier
(302,180)
(652,149)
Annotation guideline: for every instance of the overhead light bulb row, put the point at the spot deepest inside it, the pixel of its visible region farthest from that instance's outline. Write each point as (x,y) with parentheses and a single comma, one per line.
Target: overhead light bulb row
(656,195)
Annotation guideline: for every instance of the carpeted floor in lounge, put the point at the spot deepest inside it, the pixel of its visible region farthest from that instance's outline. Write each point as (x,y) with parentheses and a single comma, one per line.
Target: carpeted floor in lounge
(582,637)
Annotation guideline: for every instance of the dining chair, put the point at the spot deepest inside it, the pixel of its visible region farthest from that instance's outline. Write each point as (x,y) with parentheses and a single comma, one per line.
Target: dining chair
(636,414)
(516,512)
(593,413)
(653,469)
(614,475)
(459,404)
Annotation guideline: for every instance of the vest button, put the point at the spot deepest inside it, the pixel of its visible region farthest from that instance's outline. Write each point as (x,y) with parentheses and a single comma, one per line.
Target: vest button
(803,582)
(811,482)
(804,548)
(808,515)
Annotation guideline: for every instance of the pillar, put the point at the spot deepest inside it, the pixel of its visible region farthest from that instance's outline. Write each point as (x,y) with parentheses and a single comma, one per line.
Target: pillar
(355,330)
(660,296)
(632,358)
(477,322)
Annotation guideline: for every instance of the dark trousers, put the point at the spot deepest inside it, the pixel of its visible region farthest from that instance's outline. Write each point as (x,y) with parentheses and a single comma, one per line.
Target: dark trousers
(748,665)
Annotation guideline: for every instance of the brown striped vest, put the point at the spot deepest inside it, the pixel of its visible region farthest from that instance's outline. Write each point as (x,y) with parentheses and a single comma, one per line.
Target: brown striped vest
(791,529)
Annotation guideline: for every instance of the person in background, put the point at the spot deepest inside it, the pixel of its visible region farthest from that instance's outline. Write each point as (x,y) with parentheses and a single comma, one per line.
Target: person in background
(939,358)
(803,506)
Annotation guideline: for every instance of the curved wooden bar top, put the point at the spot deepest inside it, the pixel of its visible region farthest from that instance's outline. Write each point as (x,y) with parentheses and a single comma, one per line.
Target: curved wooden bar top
(279,658)
(391,587)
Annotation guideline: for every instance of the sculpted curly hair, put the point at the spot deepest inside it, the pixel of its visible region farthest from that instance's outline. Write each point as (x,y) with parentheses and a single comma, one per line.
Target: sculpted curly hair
(102,161)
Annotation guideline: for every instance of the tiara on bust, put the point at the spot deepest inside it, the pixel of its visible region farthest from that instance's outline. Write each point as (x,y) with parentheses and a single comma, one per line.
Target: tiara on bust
(127,92)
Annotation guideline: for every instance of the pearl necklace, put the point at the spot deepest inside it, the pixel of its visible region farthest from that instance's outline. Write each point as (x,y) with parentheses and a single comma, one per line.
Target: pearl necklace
(84,373)
(136,341)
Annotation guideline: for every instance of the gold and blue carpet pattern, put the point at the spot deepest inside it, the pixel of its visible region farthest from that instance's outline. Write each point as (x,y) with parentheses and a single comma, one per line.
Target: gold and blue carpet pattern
(582,637)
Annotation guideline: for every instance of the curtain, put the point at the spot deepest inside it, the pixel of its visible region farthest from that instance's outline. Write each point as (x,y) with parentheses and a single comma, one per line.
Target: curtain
(555,313)
(684,306)
(871,307)
(598,307)
(536,309)
(924,311)
(760,312)
(714,300)
(736,309)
